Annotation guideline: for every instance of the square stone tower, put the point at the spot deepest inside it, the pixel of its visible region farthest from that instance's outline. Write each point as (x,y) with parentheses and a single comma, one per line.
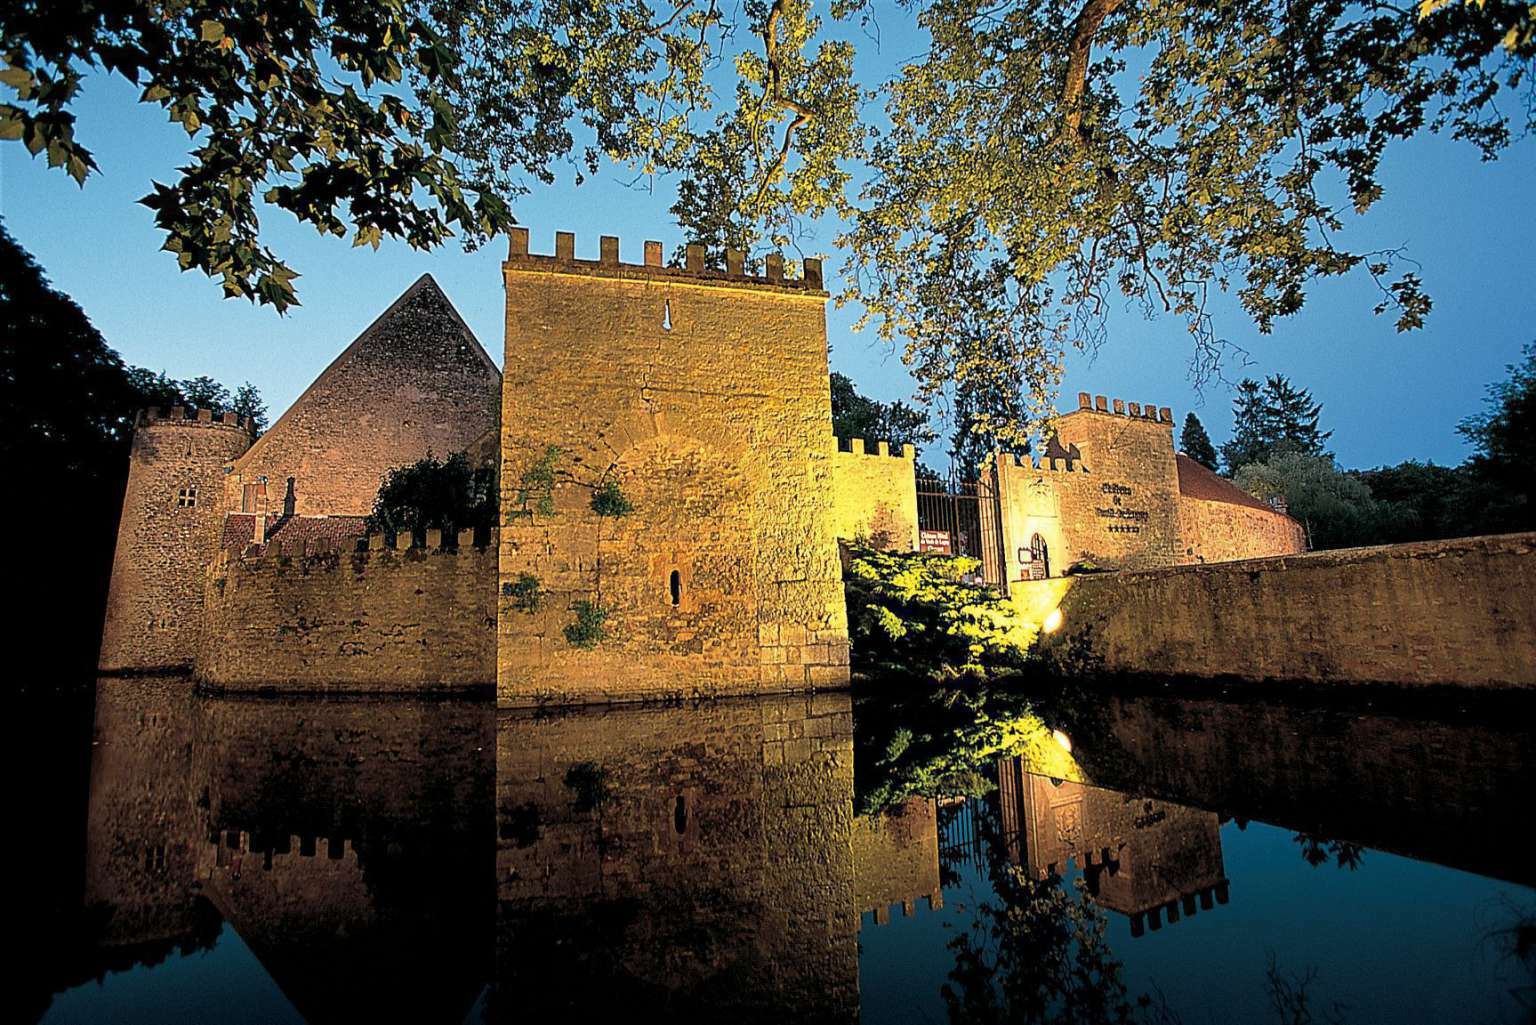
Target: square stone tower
(666,474)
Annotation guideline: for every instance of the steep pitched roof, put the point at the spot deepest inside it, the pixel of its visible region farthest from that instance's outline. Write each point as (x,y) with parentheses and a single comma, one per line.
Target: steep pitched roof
(424,297)
(1195,481)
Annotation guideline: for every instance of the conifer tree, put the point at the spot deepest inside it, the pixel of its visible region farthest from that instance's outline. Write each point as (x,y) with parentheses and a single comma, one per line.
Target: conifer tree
(1248,424)
(1291,417)
(1196,444)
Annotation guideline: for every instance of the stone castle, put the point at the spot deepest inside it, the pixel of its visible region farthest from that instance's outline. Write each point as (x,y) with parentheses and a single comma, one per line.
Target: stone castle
(696,396)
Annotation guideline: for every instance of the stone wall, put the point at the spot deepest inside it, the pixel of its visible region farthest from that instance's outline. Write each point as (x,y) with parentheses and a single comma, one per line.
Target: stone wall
(704,397)
(694,862)
(389,619)
(416,381)
(1105,491)
(1223,532)
(168,531)
(874,495)
(1439,612)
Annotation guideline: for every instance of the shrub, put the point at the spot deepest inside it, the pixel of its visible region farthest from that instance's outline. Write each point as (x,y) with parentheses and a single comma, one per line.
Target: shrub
(912,614)
(609,500)
(587,630)
(537,485)
(525,593)
(449,495)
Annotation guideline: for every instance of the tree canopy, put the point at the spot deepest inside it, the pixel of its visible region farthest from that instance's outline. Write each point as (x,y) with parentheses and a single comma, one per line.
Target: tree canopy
(444,494)
(858,416)
(1033,164)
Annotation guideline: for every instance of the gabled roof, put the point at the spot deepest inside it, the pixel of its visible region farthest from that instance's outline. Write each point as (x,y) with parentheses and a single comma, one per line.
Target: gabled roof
(1195,481)
(423,297)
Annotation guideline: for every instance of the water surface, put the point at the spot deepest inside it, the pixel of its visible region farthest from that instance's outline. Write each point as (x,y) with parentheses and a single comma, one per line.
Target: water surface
(960,856)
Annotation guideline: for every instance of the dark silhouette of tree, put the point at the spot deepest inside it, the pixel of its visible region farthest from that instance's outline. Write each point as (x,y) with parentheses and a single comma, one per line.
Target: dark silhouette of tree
(448,495)
(67,403)
(1272,419)
(1196,444)
(1505,437)
(858,416)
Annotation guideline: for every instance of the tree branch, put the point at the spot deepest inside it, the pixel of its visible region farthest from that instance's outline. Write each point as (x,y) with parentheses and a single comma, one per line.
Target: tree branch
(1079,50)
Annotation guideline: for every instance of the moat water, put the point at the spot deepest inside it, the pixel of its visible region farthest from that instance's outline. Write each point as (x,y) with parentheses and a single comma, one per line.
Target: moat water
(1067,855)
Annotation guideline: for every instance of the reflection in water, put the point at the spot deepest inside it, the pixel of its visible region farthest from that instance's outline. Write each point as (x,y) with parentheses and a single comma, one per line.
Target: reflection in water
(444,862)
(348,844)
(696,861)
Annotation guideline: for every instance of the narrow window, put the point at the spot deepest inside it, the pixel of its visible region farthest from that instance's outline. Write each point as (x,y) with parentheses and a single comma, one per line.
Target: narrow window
(680,815)
(666,315)
(677,588)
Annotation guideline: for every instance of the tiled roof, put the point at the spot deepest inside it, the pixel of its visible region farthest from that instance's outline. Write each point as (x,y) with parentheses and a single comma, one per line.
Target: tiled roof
(1195,481)
(293,531)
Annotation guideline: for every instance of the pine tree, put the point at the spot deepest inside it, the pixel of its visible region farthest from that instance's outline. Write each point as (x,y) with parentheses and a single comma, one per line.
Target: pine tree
(1291,418)
(1196,444)
(1248,427)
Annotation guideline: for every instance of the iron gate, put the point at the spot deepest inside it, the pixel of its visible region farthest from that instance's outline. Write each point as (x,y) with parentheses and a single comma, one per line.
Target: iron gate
(964,517)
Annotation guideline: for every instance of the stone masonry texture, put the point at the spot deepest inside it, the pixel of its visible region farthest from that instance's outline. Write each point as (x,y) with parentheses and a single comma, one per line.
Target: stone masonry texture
(727,823)
(704,397)
(874,495)
(415,619)
(169,529)
(1438,612)
(416,381)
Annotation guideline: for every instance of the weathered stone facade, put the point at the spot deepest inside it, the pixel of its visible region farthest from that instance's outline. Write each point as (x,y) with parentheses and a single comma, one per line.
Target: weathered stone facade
(415,381)
(695,402)
(1437,612)
(703,397)
(327,620)
(1111,491)
(171,521)
(874,495)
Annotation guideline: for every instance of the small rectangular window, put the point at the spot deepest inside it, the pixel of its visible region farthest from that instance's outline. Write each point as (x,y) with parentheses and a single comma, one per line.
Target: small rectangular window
(186,498)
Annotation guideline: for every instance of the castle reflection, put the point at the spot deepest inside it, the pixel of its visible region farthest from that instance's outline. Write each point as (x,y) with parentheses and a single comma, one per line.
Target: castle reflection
(348,844)
(441,861)
(694,861)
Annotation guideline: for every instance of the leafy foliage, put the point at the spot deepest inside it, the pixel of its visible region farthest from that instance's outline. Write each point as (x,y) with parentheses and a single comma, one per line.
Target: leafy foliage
(912,614)
(1337,508)
(536,488)
(67,402)
(1270,419)
(858,416)
(608,499)
(1505,436)
(939,741)
(201,393)
(1195,443)
(587,630)
(336,112)
(1035,162)
(448,495)
(526,593)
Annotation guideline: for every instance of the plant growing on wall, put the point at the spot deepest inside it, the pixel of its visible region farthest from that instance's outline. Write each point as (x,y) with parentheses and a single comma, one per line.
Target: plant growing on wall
(609,500)
(525,593)
(586,631)
(537,484)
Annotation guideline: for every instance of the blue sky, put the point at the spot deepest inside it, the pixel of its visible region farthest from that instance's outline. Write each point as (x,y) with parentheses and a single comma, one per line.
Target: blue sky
(1386,396)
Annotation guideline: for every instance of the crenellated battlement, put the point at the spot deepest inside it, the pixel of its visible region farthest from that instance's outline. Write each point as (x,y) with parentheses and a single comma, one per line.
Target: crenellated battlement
(1045,463)
(407,541)
(860,447)
(695,268)
(187,416)
(1087,403)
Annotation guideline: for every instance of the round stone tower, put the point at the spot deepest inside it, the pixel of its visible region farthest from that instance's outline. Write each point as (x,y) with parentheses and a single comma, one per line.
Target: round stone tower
(170,529)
